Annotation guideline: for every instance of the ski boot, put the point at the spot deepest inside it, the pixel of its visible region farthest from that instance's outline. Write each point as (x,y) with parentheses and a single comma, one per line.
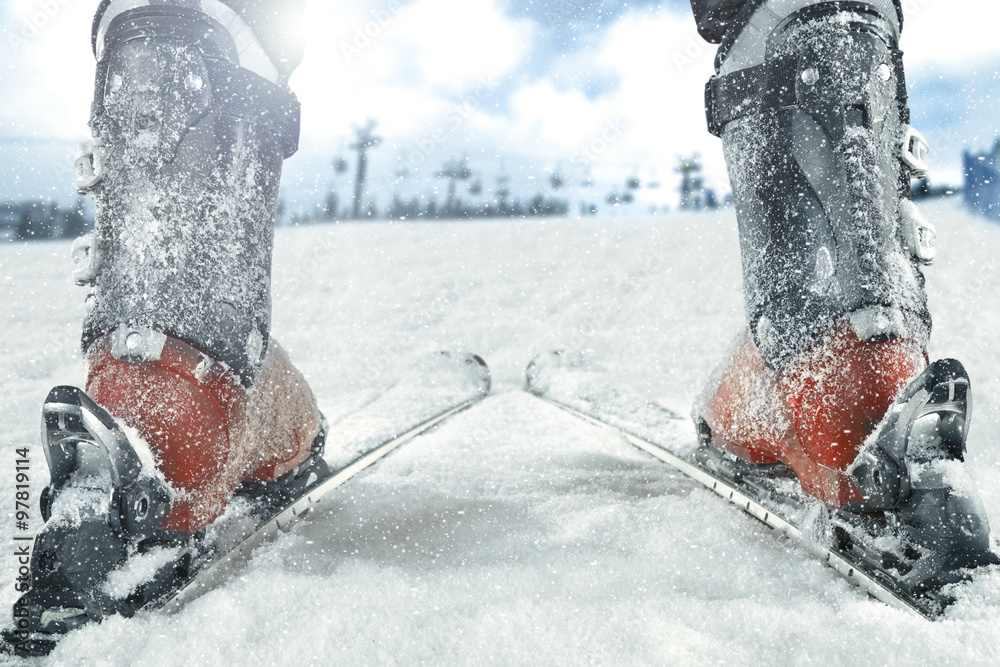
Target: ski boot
(809,100)
(188,399)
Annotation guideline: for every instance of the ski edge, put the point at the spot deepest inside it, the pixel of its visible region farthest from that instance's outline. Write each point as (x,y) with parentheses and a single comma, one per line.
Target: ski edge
(851,573)
(282,522)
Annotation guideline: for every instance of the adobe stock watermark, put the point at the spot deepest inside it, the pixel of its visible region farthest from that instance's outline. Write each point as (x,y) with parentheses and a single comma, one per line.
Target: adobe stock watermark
(610,299)
(31,25)
(312,263)
(425,147)
(912,7)
(65,166)
(369,32)
(611,132)
(687,55)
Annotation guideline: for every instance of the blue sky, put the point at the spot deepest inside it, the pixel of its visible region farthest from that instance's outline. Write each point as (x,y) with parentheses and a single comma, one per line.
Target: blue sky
(520,87)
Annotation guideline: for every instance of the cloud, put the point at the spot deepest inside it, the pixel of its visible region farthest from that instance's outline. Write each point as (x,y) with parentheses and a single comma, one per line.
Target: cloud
(46,68)
(950,33)
(459,43)
(663,66)
(653,113)
(403,64)
(618,83)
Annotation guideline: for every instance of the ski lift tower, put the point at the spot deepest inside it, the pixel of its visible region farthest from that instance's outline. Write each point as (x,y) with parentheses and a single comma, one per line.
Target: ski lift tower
(364,141)
(454,171)
(503,192)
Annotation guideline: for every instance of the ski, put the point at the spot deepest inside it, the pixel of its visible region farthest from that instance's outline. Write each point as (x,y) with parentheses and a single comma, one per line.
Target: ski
(169,574)
(566,381)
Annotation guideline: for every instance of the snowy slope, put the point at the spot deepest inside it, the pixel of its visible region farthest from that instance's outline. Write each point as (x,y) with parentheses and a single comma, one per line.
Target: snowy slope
(514,534)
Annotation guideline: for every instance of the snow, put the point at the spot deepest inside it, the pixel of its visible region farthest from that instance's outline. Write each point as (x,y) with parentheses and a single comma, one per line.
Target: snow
(438,382)
(138,570)
(514,534)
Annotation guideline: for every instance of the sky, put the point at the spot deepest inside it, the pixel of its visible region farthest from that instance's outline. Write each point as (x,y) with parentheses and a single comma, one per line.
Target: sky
(592,90)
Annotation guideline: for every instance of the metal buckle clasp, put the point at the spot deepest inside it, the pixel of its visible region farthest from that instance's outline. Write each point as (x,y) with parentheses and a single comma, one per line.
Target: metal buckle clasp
(89,170)
(919,235)
(914,152)
(87,255)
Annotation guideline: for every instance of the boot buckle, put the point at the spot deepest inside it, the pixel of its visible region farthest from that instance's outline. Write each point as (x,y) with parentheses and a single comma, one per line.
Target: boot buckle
(919,234)
(88,256)
(914,152)
(89,170)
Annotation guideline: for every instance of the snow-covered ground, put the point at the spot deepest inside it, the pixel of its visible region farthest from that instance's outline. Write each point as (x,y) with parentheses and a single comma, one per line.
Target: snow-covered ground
(514,534)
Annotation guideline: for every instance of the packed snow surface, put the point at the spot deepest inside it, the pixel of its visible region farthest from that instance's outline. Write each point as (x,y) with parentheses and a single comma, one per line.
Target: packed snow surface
(515,534)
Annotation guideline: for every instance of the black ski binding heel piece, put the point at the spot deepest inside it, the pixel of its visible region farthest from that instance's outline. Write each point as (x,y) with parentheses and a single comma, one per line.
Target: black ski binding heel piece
(916,490)
(101,506)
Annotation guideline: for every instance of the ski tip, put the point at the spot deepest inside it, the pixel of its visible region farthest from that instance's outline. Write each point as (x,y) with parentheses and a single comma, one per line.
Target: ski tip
(539,371)
(470,365)
(480,370)
(484,369)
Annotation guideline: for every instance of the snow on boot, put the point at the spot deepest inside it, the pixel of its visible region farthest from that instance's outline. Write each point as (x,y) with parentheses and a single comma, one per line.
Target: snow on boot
(810,102)
(189,400)
(186,160)
(815,412)
(813,127)
(209,432)
(914,484)
(184,169)
(103,504)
